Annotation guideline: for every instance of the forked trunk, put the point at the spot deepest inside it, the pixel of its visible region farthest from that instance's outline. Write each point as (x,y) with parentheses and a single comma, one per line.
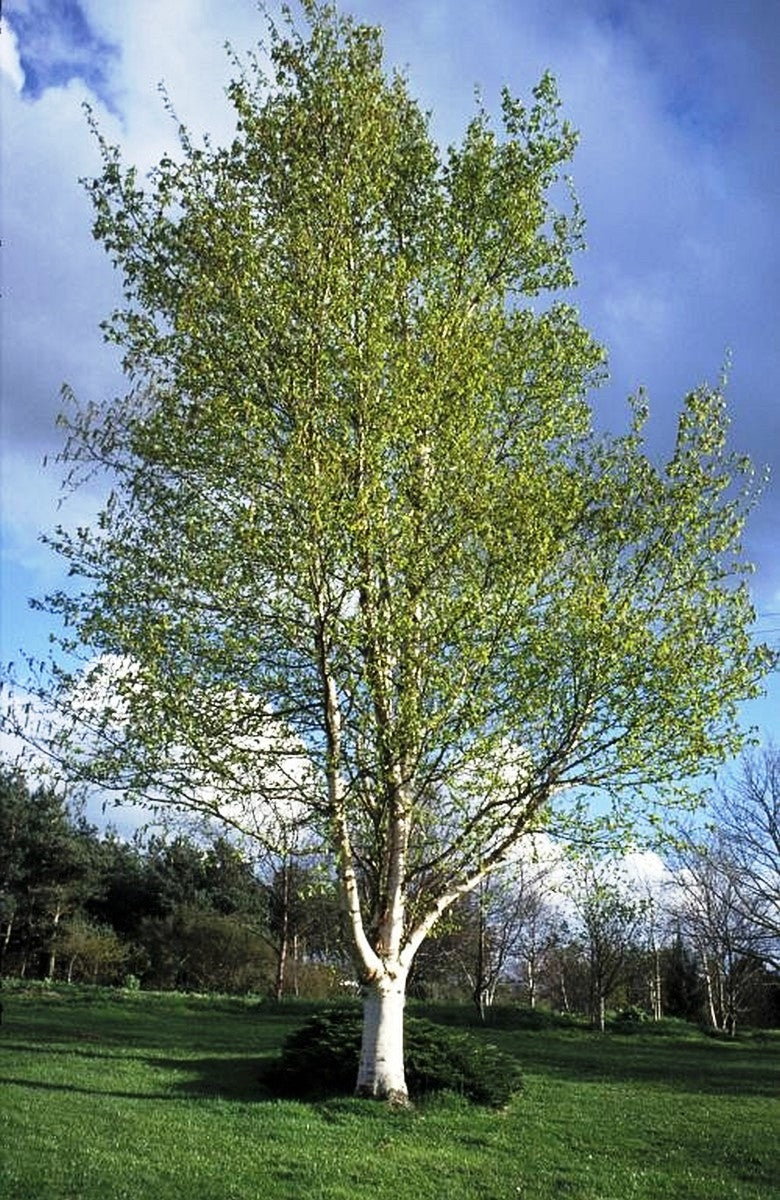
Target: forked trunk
(381,1072)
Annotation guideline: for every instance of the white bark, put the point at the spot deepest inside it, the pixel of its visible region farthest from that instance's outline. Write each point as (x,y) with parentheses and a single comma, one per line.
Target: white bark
(711,1008)
(53,944)
(381,1074)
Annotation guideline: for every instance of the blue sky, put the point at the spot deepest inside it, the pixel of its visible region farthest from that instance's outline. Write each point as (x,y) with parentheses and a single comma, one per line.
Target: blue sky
(56,43)
(678,105)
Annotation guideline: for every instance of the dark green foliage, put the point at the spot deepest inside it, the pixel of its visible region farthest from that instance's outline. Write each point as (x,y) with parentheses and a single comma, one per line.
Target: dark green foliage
(47,868)
(322,1057)
(629,1018)
(439,1059)
(683,990)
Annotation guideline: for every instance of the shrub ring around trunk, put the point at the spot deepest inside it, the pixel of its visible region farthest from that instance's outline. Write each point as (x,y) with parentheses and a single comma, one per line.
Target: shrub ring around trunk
(321,1058)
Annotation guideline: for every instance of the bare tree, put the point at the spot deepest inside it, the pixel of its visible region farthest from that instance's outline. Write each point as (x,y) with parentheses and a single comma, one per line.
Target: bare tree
(538,925)
(747,812)
(713,918)
(609,918)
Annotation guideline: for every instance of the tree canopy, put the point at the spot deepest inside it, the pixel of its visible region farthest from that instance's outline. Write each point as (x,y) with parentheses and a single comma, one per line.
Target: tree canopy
(365,568)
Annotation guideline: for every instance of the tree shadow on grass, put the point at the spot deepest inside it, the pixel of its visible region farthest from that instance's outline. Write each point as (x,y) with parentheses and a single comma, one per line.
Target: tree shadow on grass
(705,1067)
(67,1051)
(242,1077)
(45,1085)
(232,1077)
(140,1033)
(239,1078)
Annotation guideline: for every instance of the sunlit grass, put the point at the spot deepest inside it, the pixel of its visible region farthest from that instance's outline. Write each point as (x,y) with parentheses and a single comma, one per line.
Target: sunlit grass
(127,1096)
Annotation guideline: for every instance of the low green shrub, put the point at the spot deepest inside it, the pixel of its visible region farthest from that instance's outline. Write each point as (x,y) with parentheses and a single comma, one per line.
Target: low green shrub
(323,1056)
(439,1059)
(629,1018)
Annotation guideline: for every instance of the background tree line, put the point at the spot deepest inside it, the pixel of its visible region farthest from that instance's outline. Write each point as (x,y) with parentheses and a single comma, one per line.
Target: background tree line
(172,911)
(191,912)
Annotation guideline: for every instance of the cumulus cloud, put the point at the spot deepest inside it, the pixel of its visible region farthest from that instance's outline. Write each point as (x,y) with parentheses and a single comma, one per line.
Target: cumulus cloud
(645,871)
(10,65)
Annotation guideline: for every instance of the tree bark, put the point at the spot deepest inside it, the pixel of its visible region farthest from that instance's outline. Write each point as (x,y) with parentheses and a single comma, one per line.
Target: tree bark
(281,961)
(710,995)
(6,941)
(480,986)
(296,959)
(564,992)
(52,962)
(381,1073)
(656,993)
(530,980)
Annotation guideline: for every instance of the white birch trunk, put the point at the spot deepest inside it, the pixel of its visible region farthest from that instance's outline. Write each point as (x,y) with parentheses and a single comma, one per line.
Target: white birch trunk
(381,1073)
(657,996)
(530,975)
(710,996)
(52,965)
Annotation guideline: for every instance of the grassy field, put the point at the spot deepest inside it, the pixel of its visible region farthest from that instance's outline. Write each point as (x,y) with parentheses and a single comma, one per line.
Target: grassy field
(127,1096)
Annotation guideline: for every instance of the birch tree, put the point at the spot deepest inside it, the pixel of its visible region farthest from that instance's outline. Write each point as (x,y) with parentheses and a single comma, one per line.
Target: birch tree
(355,493)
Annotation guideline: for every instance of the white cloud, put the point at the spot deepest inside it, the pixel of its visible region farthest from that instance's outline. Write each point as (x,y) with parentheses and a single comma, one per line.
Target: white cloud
(260,781)
(10,65)
(181,46)
(645,871)
(641,312)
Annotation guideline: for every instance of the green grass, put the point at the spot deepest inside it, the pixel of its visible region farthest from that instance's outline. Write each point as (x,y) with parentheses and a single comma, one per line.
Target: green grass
(127,1096)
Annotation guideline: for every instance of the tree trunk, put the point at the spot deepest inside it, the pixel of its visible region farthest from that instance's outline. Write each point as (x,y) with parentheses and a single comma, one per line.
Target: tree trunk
(656,986)
(381,1073)
(52,963)
(281,961)
(530,980)
(710,995)
(480,985)
(6,942)
(730,999)
(564,992)
(295,964)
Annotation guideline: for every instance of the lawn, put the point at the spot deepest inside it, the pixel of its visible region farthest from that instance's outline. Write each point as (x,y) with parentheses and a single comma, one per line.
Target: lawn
(127,1096)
